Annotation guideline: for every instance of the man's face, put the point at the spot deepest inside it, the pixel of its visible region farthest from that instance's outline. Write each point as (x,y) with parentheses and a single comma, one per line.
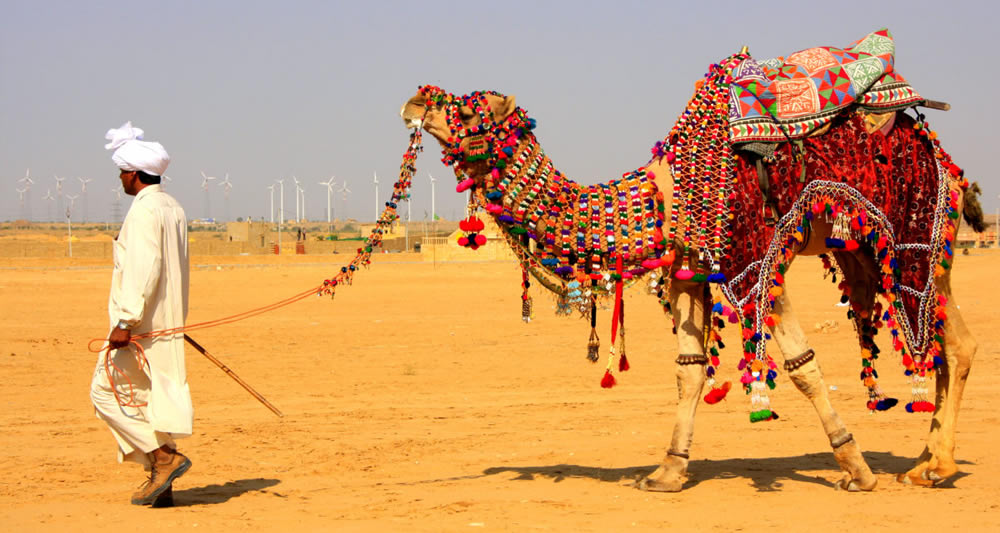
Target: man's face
(129,180)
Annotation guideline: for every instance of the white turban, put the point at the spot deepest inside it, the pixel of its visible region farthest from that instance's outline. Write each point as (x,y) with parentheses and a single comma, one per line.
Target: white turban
(132,153)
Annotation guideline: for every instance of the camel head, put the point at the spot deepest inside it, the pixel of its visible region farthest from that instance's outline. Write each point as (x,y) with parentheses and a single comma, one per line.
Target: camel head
(472,129)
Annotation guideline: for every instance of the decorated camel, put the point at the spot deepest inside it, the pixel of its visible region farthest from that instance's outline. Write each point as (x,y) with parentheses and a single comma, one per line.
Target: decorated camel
(812,154)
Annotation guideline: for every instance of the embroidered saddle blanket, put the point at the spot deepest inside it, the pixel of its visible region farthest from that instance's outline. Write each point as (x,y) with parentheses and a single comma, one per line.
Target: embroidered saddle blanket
(789,97)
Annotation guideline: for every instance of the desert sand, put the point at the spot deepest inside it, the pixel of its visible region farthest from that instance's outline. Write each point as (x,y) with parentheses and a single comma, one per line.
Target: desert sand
(417,400)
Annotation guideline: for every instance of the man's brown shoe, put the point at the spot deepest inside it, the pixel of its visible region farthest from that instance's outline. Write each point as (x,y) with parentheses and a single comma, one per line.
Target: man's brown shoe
(160,478)
(165,499)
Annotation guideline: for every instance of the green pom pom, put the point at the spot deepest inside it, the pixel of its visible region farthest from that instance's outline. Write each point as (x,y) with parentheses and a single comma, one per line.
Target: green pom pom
(518,230)
(699,277)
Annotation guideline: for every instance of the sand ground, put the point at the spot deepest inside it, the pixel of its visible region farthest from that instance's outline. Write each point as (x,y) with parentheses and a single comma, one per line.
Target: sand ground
(417,400)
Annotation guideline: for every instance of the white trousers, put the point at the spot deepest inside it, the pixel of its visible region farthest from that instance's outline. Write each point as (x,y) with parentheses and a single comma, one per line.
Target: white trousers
(132,430)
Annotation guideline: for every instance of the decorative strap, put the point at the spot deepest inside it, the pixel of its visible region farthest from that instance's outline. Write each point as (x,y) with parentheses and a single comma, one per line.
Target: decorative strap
(840,438)
(800,360)
(682,455)
(692,359)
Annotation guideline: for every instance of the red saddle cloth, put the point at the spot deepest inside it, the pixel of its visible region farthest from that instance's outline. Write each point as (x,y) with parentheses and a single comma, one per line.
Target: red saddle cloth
(896,172)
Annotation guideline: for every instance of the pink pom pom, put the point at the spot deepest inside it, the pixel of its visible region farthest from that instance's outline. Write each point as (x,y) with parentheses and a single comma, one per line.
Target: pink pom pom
(494,209)
(651,264)
(684,274)
(465,184)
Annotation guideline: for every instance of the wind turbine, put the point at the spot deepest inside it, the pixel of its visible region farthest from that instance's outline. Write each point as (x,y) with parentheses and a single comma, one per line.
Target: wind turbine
(375,182)
(433,207)
(116,206)
(59,193)
(281,210)
(329,192)
(48,209)
(26,204)
(344,191)
(226,186)
(20,195)
(72,200)
(83,192)
(297,188)
(208,197)
(271,188)
(69,222)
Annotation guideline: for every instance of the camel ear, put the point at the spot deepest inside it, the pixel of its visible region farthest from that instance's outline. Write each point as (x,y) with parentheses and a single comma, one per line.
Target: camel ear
(504,108)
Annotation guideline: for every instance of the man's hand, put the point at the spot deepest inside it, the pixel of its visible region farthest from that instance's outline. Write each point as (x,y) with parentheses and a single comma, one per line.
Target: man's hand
(119,338)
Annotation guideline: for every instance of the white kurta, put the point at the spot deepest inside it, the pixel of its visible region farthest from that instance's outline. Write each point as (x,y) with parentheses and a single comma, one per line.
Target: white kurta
(149,290)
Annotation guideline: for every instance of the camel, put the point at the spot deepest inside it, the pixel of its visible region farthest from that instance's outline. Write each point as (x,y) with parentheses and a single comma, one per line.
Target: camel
(479,130)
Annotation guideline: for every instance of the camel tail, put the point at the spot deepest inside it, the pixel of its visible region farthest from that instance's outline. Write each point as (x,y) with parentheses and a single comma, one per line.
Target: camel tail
(972,210)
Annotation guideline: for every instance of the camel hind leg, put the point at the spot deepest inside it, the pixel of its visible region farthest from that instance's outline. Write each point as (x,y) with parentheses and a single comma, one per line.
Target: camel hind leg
(937,462)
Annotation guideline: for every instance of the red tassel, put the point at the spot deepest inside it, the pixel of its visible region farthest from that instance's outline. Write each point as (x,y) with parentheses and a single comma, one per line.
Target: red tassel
(623,364)
(716,395)
(608,380)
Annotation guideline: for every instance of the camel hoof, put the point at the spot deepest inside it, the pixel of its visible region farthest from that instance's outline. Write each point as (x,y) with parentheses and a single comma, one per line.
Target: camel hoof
(931,475)
(653,485)
(847,484)
(917,481)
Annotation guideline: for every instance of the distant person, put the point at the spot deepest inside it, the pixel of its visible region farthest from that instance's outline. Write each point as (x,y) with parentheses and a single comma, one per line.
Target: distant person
(149,291)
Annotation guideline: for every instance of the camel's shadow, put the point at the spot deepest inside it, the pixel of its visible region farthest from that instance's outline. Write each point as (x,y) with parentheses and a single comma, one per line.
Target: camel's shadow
(212,494)
(766,474)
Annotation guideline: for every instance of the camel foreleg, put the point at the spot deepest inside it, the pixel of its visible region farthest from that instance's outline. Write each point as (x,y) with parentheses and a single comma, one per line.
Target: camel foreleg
(805,373)
(691,311)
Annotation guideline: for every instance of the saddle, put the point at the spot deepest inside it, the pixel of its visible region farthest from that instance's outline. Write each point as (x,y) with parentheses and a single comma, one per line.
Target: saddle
(788,99)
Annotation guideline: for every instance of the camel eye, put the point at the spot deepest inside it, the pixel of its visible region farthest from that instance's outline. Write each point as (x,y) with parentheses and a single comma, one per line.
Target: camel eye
(466,113)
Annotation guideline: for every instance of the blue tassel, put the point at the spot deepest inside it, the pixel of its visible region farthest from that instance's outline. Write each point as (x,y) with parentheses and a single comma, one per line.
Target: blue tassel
(717,308)
(886,404)
(508,150)
(494,195)
(938,361)
(756,337)
(909,407)
(835,243)
(717,277)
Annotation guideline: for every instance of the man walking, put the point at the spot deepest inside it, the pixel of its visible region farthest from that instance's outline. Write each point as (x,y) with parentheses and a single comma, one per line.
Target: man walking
(140,385)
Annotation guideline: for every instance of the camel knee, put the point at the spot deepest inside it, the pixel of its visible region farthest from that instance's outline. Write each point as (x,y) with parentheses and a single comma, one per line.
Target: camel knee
(805,373)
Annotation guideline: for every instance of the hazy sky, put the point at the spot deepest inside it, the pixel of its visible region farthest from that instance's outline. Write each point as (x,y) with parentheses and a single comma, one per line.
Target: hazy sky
(264,90)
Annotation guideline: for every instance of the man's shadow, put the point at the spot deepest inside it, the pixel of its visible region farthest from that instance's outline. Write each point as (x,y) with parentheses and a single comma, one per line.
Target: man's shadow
(766,474)
(212,494)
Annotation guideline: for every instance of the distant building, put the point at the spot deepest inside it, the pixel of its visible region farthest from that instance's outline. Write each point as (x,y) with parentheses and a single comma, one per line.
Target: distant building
(248,231)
